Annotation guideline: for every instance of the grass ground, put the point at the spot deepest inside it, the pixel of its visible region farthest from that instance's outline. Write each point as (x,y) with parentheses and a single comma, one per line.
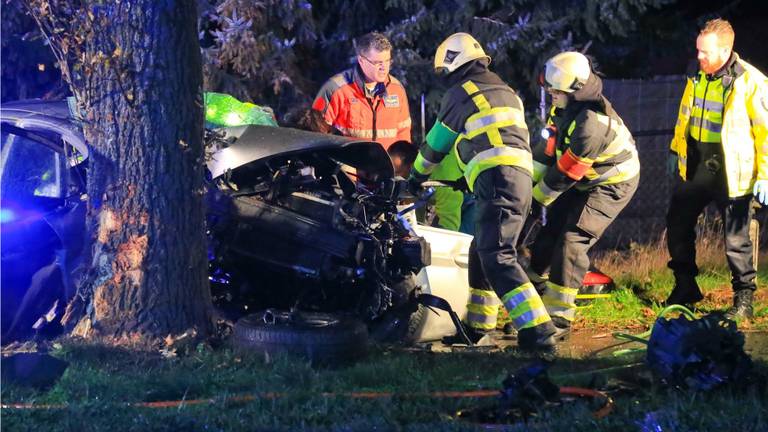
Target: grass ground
(643,282)
(101,382)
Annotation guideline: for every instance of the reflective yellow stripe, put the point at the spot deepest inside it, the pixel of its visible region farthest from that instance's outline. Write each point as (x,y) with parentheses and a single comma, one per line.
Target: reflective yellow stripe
(544,194)
(488,121)
(483,297)
(367,133)
(560,301)
(567,295)
(539,169)
(496,156)
(525,307)
(531,318)
(706,118)
(481,321)
(482,309)
(623,140)
(470,87)
(591,296)
(495,117)
(616,174)
(480,101)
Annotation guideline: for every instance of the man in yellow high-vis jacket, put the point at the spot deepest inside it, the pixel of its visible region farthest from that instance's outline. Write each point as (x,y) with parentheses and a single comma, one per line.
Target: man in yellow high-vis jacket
(720,152)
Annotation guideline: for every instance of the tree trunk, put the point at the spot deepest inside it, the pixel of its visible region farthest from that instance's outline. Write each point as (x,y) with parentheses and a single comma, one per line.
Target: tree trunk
(148,274)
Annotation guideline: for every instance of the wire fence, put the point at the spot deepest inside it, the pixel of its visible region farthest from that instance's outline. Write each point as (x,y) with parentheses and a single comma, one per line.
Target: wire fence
(649,108)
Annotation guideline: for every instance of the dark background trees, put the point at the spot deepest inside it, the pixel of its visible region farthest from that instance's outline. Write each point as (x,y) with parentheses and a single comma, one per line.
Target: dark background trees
(278,53)
(302,43)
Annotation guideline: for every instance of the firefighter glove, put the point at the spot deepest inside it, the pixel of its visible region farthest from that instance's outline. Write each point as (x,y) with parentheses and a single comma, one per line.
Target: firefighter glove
(460,184)
(672,165)
(414,185)
(761,192)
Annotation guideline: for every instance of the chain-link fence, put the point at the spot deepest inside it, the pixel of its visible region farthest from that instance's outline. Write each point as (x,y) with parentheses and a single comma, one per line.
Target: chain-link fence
(649,108)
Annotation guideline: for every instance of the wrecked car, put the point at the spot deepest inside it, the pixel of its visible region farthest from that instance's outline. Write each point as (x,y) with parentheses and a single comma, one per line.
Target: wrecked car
(42,192)
(319,215)
(297,221)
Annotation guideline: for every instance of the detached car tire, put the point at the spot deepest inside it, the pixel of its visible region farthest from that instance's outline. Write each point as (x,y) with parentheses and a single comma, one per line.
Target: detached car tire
(321,337)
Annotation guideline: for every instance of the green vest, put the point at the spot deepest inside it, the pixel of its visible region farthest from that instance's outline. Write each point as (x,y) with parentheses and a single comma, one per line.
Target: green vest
(707,112)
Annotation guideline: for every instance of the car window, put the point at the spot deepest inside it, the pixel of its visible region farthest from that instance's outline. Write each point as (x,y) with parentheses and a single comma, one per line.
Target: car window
(30,168)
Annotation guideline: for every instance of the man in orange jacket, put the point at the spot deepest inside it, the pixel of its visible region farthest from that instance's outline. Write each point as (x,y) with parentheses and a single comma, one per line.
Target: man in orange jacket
(366,101)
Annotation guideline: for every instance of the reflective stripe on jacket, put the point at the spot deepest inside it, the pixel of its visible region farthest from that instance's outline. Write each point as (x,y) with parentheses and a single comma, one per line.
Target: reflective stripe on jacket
(707,112)
(380,115)
(744,133)
(481,119)
(595,149)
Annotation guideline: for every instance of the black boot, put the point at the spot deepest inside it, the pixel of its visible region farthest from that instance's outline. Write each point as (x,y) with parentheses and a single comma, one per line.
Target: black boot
(538,338)
(476,336)
(563,327)
(509,329)
(686,291)
(742,305)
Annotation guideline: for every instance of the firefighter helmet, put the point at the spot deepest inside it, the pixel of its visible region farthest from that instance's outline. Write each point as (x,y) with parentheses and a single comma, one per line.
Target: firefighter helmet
(567,71)
(457,50)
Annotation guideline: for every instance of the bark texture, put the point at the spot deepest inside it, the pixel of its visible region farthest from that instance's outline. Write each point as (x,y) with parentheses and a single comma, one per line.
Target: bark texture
(148,275)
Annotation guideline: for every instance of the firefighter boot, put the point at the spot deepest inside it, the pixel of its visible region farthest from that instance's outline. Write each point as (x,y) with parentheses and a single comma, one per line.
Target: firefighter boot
(563,327)
(686,291)
(542,337)
(742,305)
(476,337)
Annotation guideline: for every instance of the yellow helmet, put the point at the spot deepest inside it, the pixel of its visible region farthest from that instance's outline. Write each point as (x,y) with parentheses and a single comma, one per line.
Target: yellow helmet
(567,71)
(457,50)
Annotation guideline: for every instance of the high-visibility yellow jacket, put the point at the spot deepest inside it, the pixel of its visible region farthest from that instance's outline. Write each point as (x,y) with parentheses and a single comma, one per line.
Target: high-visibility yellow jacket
(744,134)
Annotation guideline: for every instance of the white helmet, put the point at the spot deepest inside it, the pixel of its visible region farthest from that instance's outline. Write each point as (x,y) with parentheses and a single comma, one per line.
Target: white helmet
(457,50)
(567,71)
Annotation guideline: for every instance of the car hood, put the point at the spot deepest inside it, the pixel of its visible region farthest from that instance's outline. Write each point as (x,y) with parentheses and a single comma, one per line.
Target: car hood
(261,143)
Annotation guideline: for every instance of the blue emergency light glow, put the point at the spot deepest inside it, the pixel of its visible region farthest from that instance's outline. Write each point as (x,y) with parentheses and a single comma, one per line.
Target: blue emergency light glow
(7,215)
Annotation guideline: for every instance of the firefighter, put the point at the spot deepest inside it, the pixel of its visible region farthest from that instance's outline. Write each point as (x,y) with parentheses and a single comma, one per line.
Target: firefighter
(585,173)
(481,120)
(366,101)
(720,152)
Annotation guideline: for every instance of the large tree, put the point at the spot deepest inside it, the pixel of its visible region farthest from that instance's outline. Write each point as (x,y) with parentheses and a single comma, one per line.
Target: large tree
(135,67)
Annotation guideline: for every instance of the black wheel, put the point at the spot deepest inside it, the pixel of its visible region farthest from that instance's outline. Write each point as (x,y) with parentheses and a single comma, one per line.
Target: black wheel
(320,337)
(400,323)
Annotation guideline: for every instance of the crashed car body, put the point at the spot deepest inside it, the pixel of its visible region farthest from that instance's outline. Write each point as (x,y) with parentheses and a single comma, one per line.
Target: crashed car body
(42,190)
(319,213)
(295,219)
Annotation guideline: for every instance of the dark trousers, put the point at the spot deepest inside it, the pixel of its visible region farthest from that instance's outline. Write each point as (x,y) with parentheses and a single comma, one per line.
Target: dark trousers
(503,199)
(575,221)
(688,201)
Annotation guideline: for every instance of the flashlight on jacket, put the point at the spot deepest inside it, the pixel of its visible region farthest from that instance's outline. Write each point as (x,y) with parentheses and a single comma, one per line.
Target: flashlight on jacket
(549,133)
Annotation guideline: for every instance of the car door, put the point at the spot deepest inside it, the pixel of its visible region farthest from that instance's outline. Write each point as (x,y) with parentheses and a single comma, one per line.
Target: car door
(41,224)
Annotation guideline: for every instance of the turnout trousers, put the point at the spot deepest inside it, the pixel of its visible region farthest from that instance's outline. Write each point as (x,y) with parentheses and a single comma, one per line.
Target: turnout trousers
(575,222)
(503,196)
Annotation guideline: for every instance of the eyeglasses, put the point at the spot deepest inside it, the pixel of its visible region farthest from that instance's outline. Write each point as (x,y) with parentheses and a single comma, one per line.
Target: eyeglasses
(378,64)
